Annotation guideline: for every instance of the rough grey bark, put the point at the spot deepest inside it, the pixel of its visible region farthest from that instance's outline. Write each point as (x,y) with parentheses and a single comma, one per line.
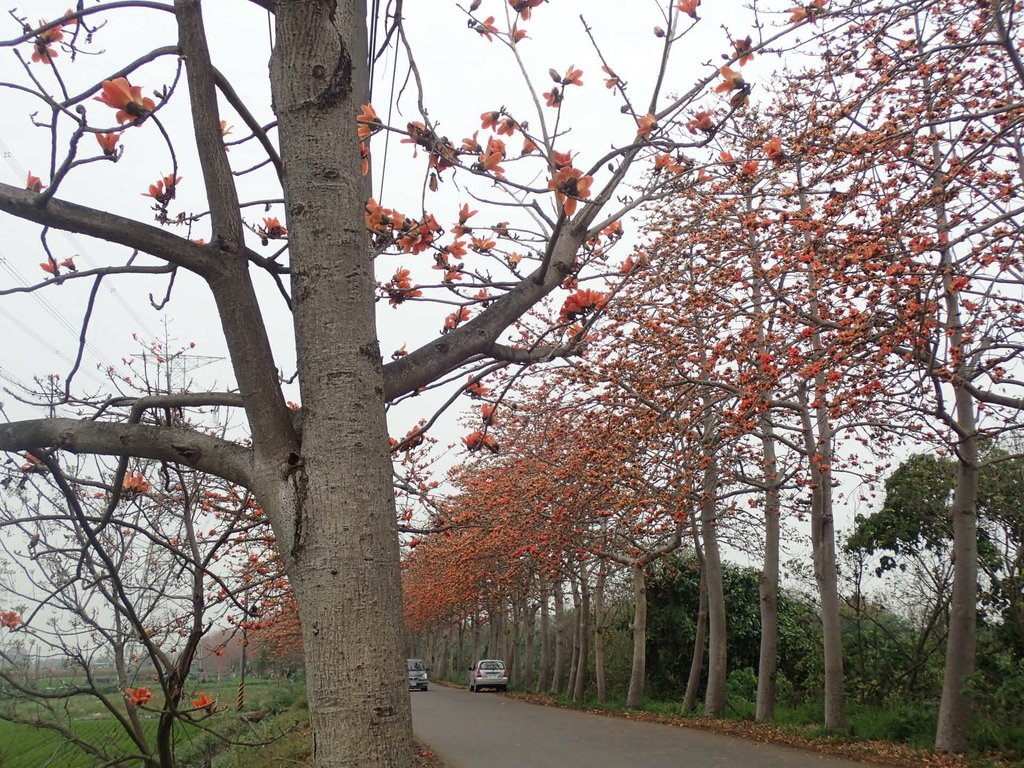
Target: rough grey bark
(768,586)
(823,547)
(817,440)
(954,722)
(576,631)
(558,667)
(697,659)
(579,688)
(544,665)
(714,695)
(638,670)
(343,558)
(599,632)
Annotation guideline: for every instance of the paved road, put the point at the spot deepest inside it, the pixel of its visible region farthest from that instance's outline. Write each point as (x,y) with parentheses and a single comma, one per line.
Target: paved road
(490,730)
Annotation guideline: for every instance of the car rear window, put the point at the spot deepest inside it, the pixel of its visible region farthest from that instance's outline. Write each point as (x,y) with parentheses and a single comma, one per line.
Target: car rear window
(492,665)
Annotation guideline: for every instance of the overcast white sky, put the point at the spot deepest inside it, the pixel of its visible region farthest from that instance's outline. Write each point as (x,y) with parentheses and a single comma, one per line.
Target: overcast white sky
(463,76)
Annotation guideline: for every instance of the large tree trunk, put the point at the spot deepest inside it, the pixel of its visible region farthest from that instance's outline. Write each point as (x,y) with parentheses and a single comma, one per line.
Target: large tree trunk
(544,671)
(342,554)
(579,688)
(823,546)
(714,695)
(961,643)
(768,586)
(817,438)
(697,659)
(576,629)
(494,632)
(638,671)
(530,628)
(599,631)
(768,659)
(558,668)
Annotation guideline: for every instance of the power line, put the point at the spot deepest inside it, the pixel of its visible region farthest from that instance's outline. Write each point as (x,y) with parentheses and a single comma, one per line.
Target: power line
(6,264)
(45,343)
(80,250)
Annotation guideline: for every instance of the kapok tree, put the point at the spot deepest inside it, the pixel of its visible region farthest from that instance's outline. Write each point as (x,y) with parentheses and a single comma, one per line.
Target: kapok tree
(324,479)
(932,172)
(117,587)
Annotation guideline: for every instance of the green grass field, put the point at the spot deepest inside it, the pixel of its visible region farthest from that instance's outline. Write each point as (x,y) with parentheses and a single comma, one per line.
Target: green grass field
(25,746)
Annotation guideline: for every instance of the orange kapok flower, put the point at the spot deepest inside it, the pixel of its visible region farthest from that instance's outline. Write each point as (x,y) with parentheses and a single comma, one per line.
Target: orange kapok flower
(646,124)
(127,99)
(612,80)
(203,702)
(487,28)
(368,121)
(581,303)
(487,412)
(10,619)
(34,183)
(476,390)
(689,7)
(561,159)
(506,126)
(491,159)
(523,7)
(807,12)
(135,483)
(42,52)
(570,185)
(742,48)
(572,76)
(452,321)
(474,441)
(164,189)
(731,80)
(138,696)
(465,214)
(773,148)
(108,142)
(701,122)
(272,229)
(666,162)
(489,119)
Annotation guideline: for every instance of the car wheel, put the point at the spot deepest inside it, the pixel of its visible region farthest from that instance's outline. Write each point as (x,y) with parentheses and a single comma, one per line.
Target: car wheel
(425,689)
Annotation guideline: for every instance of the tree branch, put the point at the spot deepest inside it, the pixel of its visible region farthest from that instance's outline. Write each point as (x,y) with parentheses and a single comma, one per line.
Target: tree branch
(121,230)
(202,452)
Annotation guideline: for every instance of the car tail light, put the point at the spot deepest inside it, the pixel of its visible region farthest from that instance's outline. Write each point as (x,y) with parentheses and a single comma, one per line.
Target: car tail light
(479,673)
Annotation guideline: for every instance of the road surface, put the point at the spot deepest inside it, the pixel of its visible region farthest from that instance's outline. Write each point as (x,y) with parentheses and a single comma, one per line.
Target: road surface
(491,730)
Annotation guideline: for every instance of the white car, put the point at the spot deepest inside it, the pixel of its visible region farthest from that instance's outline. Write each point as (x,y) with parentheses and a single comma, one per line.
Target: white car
(488,673)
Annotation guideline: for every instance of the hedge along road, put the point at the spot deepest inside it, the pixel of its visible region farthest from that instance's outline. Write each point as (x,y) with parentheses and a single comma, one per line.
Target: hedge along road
(489,730)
